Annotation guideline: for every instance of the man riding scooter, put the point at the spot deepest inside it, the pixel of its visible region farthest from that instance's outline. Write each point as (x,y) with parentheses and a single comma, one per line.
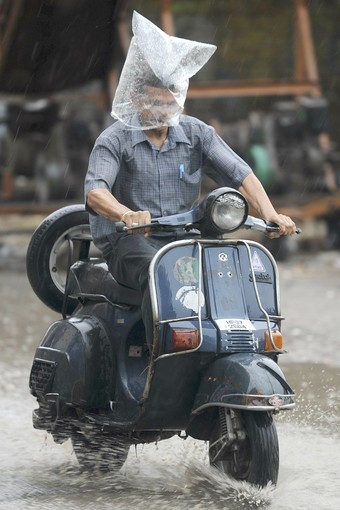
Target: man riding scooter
(149,163)
(215,322)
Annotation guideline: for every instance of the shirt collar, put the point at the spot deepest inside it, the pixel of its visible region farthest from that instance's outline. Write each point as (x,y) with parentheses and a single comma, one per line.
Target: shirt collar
(138,136)
(175,135)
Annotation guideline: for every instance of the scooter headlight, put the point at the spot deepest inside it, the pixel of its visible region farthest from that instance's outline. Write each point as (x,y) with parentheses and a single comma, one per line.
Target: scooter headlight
(225,210)
(229,211)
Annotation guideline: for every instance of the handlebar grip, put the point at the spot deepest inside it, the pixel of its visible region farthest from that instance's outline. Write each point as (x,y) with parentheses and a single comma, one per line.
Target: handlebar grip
(271,227)
(120,226)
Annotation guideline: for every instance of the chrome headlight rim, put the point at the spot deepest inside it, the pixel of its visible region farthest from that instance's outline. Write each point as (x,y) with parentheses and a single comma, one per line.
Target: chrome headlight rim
(215,200)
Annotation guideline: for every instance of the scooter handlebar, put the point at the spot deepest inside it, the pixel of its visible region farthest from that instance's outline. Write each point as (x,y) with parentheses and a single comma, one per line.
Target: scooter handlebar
(250,223)
(273,227)
(263,225)
(121,227)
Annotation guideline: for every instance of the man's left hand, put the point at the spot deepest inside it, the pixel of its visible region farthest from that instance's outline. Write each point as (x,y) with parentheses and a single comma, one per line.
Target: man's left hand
(286,224)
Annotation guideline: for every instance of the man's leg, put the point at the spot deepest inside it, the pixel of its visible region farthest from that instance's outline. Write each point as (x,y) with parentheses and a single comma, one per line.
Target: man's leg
(129,263)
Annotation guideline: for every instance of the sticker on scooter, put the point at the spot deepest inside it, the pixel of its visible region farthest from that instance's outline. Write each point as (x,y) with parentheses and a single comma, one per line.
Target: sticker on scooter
(186,270)
(234,324)
(188,296)
(257,264)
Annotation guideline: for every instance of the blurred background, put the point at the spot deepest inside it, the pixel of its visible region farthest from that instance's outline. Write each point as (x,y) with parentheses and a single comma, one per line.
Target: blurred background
(271,90)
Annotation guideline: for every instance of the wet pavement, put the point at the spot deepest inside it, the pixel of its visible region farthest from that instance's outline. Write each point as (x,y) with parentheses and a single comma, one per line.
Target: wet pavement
(36,473)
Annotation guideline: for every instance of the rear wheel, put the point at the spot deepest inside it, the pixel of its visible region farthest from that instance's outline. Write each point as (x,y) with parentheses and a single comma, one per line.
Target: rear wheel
(95,451)
(244,445)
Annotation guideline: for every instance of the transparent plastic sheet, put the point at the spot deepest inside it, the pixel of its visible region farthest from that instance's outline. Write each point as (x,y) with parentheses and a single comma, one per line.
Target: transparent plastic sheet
(153,85)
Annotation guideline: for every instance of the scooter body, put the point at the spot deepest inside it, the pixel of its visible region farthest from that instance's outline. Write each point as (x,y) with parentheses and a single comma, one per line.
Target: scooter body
(98,358)
(213,361)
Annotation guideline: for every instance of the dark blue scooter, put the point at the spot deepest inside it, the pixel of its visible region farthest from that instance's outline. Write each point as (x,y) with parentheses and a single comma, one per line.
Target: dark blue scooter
(212,372)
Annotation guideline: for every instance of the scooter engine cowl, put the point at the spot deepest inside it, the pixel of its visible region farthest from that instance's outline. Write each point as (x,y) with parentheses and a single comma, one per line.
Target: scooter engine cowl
(75,361)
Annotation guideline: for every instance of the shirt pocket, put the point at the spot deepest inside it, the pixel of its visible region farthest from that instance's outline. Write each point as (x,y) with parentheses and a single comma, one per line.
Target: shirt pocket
(188,176)
(189,184)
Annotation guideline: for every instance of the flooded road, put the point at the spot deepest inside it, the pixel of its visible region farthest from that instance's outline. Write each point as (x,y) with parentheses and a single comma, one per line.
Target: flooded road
(36,473)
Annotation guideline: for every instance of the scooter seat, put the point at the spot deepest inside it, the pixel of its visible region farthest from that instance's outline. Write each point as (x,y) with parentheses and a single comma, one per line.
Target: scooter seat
(92,278)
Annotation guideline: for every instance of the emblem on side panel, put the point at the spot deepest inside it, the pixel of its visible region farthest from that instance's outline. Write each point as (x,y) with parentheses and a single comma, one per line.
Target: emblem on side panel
(276,401)
(257,263)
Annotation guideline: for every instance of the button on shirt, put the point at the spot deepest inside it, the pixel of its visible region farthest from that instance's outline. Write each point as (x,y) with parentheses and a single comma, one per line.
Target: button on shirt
(163,181)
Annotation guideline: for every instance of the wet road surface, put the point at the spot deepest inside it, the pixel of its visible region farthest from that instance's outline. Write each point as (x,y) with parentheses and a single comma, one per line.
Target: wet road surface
(36,473)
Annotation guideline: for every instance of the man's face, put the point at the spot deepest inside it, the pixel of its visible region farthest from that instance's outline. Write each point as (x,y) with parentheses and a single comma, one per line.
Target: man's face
(159,107)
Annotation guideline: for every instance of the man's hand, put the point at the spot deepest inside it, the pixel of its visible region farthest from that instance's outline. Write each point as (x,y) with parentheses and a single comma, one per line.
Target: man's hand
(135,218)
(257,197)
(286,224)
(104,203)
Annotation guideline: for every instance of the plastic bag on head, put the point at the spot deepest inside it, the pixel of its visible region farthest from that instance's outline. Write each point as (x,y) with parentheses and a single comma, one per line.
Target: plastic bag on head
(154,81)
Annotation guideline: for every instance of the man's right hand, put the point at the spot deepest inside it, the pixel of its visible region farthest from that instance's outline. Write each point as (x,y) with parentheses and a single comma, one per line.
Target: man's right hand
(105,204)
(135,218)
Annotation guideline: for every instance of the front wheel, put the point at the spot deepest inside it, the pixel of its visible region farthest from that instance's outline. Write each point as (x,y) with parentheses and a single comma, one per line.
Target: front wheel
(97,451)
(244,445)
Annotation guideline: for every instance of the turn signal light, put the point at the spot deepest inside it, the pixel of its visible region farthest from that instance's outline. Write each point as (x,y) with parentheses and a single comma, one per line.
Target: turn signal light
(183,339)
(277,339)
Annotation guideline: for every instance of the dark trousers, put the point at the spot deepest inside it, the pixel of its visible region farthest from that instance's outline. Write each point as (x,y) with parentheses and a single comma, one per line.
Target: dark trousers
(129,263)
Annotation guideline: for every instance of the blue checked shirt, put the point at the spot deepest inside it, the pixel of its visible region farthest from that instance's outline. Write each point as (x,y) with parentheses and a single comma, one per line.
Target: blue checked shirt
(163,181)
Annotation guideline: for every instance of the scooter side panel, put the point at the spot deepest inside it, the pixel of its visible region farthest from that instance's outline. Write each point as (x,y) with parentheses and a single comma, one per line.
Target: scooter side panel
(244,380)
(172,394)
(233,305)
(74,360)
(266,281)
(230,282)
(176,278)
(224,282)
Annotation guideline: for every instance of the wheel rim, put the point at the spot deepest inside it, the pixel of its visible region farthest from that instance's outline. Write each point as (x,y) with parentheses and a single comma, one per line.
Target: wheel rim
(233,458)
(235,462)
(247,448)
(60,249)
(242,461)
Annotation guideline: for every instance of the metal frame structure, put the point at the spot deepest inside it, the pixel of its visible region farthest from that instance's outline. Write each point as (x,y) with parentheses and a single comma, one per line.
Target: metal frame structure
(306,75)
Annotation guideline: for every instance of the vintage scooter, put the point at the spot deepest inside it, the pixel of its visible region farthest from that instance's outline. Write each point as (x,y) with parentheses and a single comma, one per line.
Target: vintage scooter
(212,371)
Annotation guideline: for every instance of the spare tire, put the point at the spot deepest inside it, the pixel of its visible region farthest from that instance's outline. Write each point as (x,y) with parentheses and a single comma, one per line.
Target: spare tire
(47,254)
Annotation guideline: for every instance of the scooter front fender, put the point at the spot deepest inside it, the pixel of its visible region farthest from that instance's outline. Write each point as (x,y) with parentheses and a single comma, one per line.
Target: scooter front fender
(244,381)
